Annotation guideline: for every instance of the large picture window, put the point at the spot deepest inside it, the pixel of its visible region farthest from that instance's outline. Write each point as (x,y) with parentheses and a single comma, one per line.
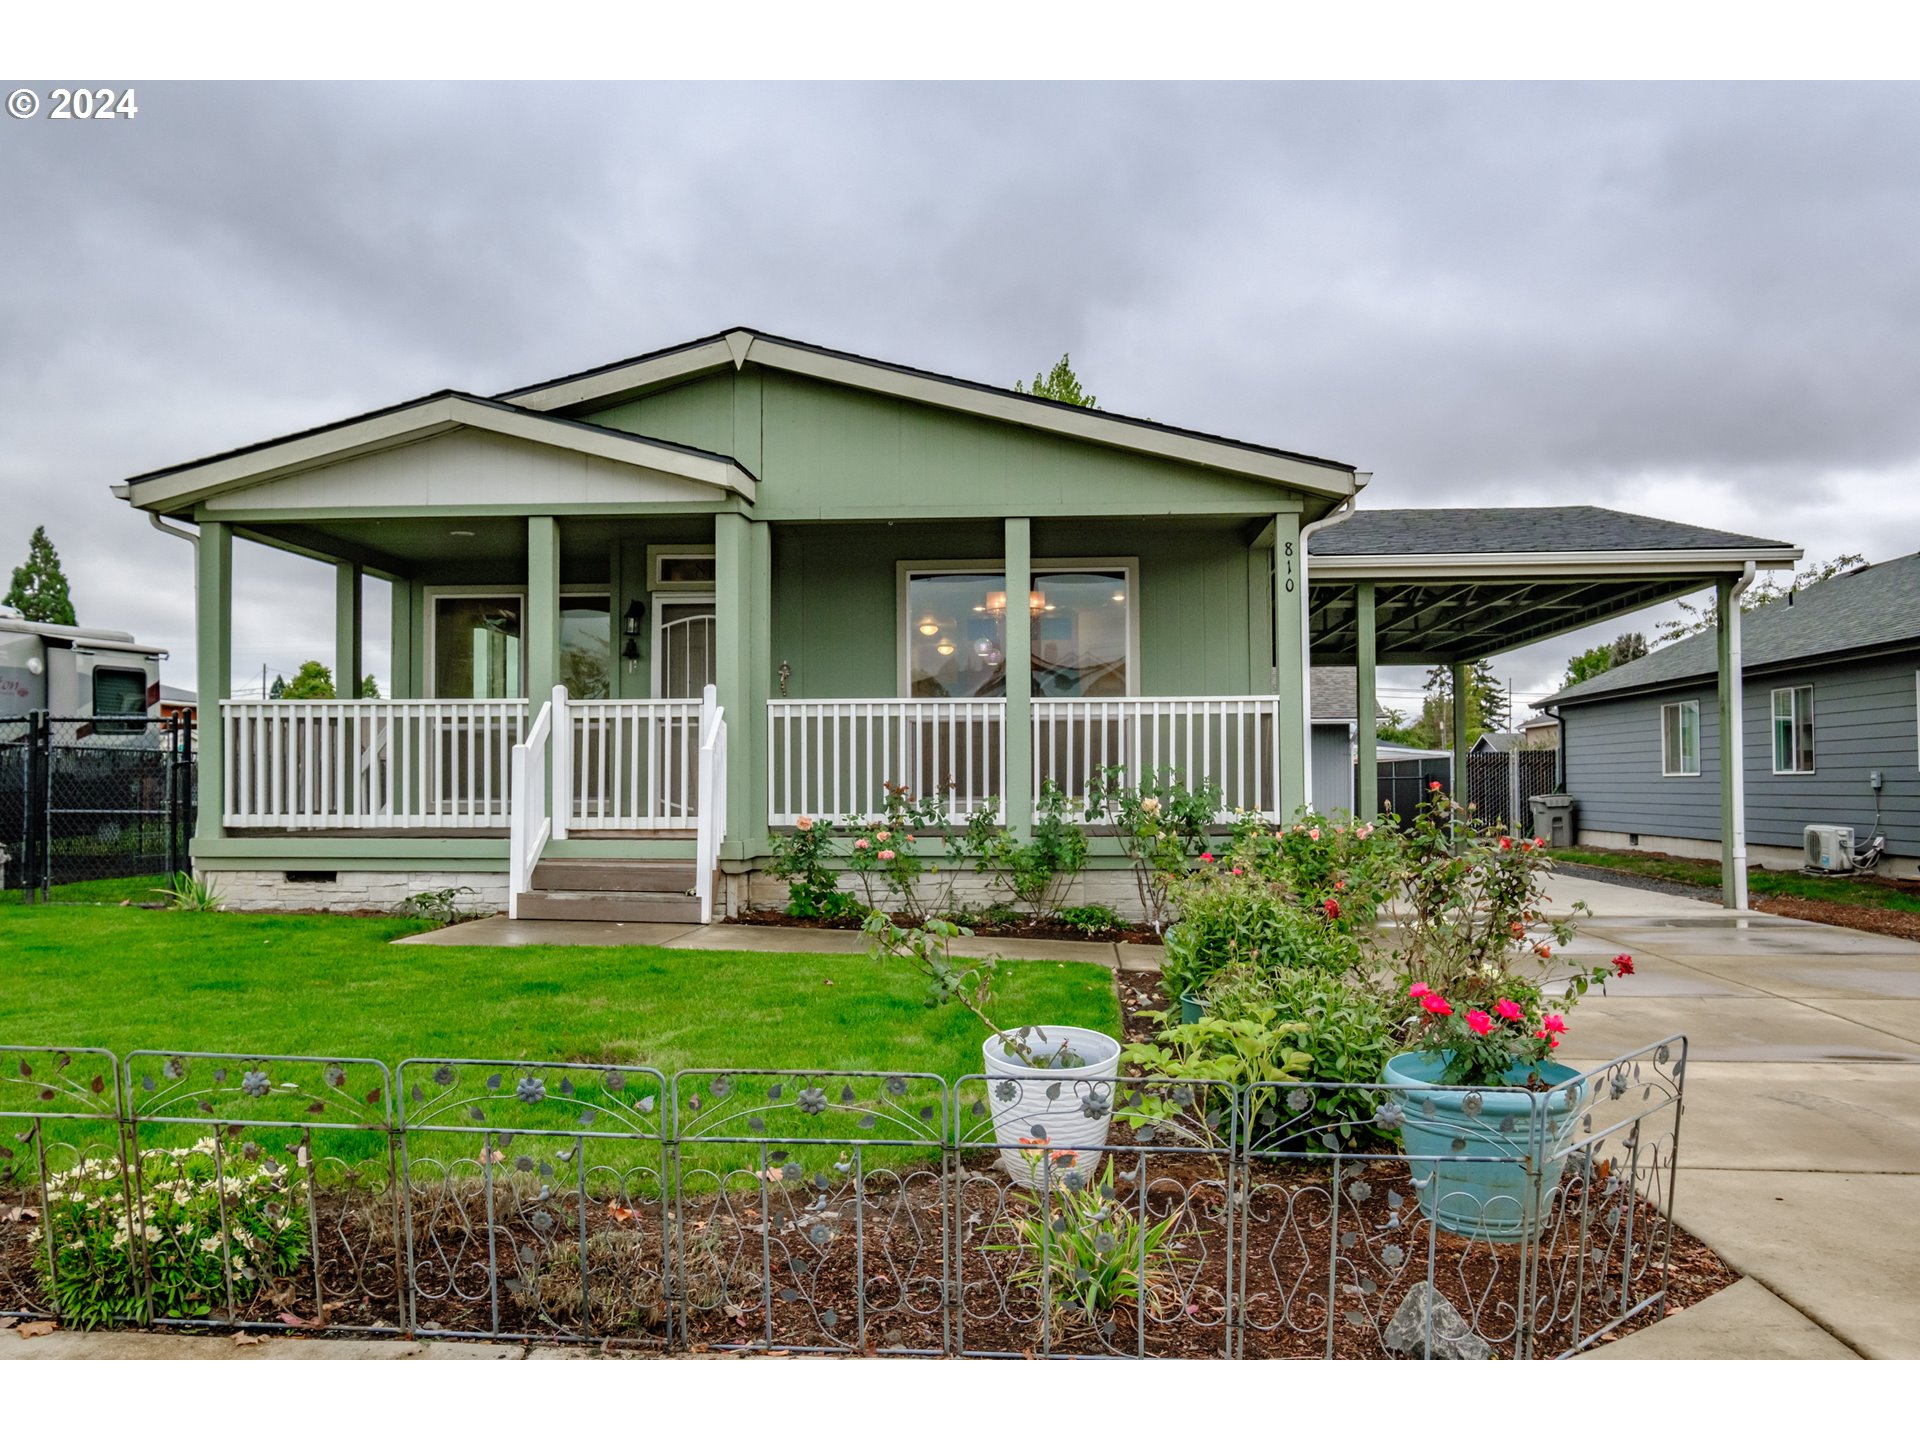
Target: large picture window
(476,647)
(1793,731)
(586,646)
(1680,738)
(1080,618)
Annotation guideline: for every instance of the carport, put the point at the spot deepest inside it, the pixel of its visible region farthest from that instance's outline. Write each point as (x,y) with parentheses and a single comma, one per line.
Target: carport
(1451,587)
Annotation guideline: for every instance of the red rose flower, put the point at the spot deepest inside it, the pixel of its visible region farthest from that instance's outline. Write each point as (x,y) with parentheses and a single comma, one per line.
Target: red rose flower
(1332,907)
(1623,964)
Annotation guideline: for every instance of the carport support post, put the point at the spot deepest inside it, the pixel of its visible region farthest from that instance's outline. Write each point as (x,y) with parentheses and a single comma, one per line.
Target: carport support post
(1017,802)
(1366,795)
(346,631)
(1462,674)
(213,626)
(1733,771)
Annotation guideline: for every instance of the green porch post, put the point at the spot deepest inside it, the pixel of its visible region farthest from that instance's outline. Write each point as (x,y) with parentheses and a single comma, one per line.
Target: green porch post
(346,630)
(1289,665)
(751,728)
(213,657)
(1366,791)
(1017,802)
(540,652)
(733,624)
(403,625)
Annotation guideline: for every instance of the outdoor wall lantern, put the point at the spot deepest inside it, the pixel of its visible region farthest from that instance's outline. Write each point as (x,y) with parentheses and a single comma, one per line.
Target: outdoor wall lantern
(636,615)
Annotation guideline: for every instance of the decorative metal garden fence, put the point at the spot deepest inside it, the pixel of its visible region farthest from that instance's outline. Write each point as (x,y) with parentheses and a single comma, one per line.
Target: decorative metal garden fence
(875,1213)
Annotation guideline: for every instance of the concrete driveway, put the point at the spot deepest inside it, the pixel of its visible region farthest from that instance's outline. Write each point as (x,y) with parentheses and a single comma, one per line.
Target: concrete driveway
(1800,1143)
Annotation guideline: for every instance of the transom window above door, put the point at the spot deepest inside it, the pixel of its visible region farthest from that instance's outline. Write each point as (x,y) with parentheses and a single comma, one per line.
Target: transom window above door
(1079,614)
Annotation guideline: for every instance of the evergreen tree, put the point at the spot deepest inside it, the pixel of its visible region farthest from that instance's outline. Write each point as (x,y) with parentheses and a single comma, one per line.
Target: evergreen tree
(369,688)
(312,681)
(277,690)
(39,590)
(1059,383)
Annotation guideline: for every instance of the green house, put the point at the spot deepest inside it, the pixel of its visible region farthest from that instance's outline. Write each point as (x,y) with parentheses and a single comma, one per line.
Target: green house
(645,615)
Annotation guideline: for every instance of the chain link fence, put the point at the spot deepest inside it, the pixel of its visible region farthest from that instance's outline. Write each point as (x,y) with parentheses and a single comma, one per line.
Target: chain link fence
(94,799)
(1501,787)
(848,1213)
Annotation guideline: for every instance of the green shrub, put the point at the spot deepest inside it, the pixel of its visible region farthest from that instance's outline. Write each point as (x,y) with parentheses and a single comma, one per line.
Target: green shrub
(1090,919)
(1230,915)
(442,907)
(884,856)
(183,891)
(96,1275)
(1035,872)
(813,890)
(1161,825)
(1349,1032)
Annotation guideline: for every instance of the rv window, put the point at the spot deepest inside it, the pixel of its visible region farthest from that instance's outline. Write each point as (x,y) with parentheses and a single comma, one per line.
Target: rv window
(119,692)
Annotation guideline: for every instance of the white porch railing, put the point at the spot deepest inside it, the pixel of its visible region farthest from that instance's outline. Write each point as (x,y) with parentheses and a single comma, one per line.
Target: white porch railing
(368,764)
(713,800)
(836,757)
(632,765)
(1233,740)
(530,828)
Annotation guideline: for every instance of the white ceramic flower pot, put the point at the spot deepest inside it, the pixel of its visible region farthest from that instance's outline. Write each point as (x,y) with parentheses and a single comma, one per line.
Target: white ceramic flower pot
(1071,1106)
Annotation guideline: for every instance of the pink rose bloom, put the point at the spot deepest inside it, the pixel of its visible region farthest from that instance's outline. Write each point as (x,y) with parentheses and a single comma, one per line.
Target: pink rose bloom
(1314,833)
(1506,842)
(803,824)
(1507,1010)
(1364,831)
(1238,871)
(1435,1005)
(883,836)
(1206,857)
(863,843)
(1479,1021)
(1556,1023)
(886,854)
(1419,988)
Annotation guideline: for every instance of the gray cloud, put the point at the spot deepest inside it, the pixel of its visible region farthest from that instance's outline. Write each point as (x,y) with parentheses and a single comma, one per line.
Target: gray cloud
(1693,301)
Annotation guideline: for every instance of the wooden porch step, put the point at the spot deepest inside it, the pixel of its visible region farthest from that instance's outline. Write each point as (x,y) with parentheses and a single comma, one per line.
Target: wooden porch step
(662,876)
(633,906)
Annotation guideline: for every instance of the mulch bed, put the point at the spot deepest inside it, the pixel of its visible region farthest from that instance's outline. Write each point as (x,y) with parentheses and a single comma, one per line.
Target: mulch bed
(1023,929)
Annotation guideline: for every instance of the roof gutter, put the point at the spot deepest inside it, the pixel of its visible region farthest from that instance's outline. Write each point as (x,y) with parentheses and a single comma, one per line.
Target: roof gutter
(1343,511)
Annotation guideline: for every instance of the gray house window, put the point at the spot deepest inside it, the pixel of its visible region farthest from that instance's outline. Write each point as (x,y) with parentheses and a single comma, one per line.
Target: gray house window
(1680,738)
(1793,731)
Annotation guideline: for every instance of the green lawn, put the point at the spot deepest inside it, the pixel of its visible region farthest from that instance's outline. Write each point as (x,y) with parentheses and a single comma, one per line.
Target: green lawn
(1759,882)
(125,979)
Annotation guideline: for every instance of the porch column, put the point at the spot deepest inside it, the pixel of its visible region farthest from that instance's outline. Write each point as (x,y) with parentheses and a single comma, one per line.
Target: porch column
(751,727)
(213,658)
(733,625)
(1366,791)
(403,624)
(347,659)
(1733,770)
(1018,786)
(1289,665)
(540,649)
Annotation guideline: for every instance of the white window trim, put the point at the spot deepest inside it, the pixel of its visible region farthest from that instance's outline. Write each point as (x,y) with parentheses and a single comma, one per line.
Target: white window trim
(1773,733)
(657,553)
(430,599)
(1681,705)
(906,570)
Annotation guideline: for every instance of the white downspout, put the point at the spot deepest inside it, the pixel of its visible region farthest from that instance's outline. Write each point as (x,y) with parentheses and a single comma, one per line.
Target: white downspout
(159,523)
(1343,511)
(1736,676)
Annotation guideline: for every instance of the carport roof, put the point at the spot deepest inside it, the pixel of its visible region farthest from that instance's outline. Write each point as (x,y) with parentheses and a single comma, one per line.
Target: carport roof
(1458,584)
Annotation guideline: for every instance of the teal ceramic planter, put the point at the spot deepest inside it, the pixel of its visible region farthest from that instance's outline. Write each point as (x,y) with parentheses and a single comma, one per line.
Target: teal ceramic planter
(1193,1008)
(1475,1154)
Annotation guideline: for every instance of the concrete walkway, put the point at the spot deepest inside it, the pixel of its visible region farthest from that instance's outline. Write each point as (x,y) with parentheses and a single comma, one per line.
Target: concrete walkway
(1800,1148)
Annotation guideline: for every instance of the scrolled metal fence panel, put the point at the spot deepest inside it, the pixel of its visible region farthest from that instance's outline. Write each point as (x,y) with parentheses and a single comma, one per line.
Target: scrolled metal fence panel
(837,1212)
(812,1209)
(1094,1216)
(263,1189)
(534,1200)
(60,1146)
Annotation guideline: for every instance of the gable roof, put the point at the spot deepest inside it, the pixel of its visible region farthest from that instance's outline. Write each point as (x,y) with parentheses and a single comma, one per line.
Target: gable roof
(1336,693)
(178,486)
(1873,607)
(609,384)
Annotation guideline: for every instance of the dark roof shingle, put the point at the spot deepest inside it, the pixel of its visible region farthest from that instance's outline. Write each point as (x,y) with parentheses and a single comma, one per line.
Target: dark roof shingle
(1537,529)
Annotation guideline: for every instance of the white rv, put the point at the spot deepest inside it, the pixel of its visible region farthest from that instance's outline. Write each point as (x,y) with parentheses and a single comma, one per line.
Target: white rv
(76,673)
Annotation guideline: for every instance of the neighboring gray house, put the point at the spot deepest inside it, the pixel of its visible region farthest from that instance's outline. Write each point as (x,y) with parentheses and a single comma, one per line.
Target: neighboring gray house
(1832,699)
(1336,710)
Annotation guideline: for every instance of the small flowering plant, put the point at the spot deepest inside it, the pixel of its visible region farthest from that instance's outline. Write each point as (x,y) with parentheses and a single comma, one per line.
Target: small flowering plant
(101,1243)
(1494,1023)
(885,859)
(801,859)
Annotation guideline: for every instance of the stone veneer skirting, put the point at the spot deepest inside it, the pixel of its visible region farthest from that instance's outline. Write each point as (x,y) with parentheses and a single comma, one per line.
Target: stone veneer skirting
(353,889)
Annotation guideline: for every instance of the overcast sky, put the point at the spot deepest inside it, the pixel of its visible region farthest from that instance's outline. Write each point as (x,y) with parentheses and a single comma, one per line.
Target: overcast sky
(1696,302)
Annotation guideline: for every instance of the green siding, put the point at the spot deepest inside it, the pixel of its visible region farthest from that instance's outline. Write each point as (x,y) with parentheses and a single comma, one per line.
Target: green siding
(699,413)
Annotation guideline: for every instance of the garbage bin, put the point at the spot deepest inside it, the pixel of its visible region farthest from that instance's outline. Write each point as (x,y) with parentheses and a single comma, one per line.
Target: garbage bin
(1553,819)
